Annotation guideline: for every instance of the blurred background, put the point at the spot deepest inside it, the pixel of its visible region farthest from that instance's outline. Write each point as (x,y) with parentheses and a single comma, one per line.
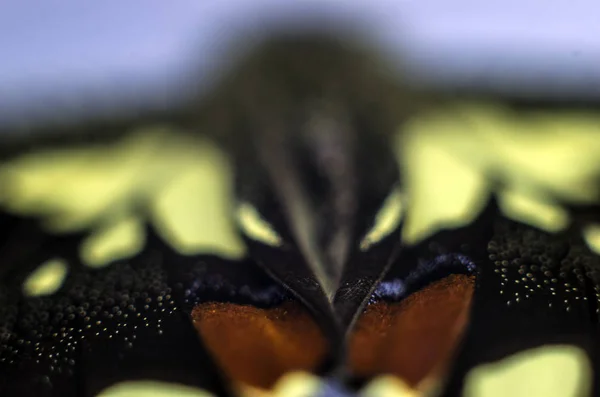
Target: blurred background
(102,55)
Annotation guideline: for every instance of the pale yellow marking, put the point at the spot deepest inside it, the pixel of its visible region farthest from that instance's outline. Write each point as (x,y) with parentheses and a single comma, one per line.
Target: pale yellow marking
(147,388)
(386,221)
(292,384)
(533,152)
(443,191)
(255,227)
(389,386)
(194,209)
(558,151)
(46,279)
(185,181)
(549,371)
(72,188)
(121,239)
(522,207)
(297,384)
(591,234)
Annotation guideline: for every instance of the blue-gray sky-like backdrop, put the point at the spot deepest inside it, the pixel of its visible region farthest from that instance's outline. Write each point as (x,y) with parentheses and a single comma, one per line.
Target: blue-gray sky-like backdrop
(73,49)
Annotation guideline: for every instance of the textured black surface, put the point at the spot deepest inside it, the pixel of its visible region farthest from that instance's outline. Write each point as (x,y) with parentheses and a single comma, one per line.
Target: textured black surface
(124,321)
(532,289)
(130,320)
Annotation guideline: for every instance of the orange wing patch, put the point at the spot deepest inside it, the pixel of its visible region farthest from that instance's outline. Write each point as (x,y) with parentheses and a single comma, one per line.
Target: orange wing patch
(416,338)
(257,346)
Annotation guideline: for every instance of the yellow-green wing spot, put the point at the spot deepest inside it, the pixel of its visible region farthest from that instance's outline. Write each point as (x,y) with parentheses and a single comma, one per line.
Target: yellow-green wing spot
(591,234)
(389,386)
(72,188)
(148,388)
(255,226)
(549,371)
(297,384)
(443,191)
(46,279)
(557,150)
(537,156)
(521,206)
(193,208)
(292,384)
(120,239)
(386,221)
(182,182)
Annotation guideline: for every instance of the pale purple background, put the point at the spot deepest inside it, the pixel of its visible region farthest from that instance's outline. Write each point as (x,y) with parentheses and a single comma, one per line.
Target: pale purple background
(58,54)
